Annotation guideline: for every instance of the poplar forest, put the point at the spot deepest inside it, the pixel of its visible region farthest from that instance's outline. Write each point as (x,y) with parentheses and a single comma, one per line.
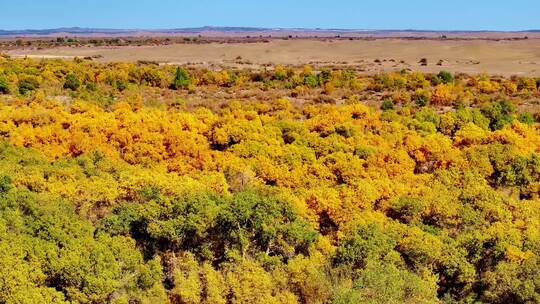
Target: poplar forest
(145,183)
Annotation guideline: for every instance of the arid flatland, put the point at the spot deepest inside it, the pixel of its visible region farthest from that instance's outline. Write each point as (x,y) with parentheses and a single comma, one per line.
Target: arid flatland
(474,56)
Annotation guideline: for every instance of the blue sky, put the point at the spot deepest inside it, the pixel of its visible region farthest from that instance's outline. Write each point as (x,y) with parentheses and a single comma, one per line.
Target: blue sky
(366,14)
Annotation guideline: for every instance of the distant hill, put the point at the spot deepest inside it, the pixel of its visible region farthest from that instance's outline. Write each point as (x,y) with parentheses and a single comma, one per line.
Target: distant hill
(243,31)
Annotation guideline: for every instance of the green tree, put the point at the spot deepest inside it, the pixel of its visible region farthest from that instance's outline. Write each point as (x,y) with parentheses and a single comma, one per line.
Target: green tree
(521,171)
(48,254)
(381,283)
(181,79)
(215,227)
(406,209)
(254,222)
(499,113)
(512,282)
(367,242)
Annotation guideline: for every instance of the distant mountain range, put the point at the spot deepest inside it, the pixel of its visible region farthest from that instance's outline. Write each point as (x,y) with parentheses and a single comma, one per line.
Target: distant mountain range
(227,31)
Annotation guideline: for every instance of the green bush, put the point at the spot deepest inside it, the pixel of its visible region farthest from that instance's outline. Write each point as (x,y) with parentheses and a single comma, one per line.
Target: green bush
(72,82)
(5,184)
(120,85)
(387,104)
(526,118)
(4,86)
(324,76)
(445,77)
(421,101)
(311,81)
(91,86)
(28,84)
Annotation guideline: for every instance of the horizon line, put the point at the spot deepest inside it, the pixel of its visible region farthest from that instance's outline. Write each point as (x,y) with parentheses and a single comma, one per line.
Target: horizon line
(258,28)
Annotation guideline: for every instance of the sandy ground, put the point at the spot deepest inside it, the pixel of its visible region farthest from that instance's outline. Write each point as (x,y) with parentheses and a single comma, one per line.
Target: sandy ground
(504,57)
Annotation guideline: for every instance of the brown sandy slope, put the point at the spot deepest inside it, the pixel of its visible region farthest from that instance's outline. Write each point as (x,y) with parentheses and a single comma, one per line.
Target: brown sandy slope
(505,57)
